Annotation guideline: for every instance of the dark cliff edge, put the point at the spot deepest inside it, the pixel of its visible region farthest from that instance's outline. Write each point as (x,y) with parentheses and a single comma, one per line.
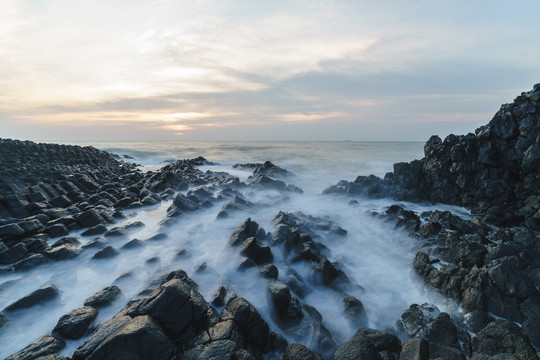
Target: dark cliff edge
(494,172)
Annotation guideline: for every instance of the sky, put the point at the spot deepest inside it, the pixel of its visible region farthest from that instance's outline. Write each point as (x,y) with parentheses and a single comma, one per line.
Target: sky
(109,70)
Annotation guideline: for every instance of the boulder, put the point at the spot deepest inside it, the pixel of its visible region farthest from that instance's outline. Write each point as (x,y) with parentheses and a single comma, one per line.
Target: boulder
(106,253)
(74,324)
(299,352)
(358,348)
(103,297)
(415,349)
(41,295)
(286,307)
(247,230)
(256,252)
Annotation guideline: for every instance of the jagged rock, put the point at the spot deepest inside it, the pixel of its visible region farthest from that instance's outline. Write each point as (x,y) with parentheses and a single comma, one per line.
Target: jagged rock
(43,294)
(358,348)
(89,218)
(299,352)
(219,297)
(415,349)
(257,252)
(246,230)
(95,230)
(29,262)
(502,336)
(103,297)
(286,307)
(355,312)
(104,332)
(47,345)
(62,252)
(269,271)
(105,253)
(249,321)
(13,254)
(417,317)
(140,338)
(132,244)
(73,325)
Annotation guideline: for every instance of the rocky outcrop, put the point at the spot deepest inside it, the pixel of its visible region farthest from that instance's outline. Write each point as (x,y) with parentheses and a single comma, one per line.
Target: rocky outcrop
(494,172)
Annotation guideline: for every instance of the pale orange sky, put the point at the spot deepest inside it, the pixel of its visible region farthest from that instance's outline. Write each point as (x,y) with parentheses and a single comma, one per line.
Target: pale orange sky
(244,70)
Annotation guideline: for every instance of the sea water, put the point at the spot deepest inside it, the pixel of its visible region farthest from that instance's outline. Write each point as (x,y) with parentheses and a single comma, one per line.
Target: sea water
(373,254)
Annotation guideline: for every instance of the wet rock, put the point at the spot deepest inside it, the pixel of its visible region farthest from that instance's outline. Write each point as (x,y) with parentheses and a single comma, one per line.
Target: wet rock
(443,331)
(247,230)
(63,252)
(178,308)
(158,237)
(358,348)
(44,346)
(219,349)
(299,352)
(41,295)
(257,252)
(106,253)
(95,230)
(57,230)
(286,307)
(29,262)
(381,340)
(502,336)
(219,297)
(355,312)
(97,243)
(89,218)
(249,321)
(531,329)
(140,338)
(13,254)
(11,231)
(103,297)
(74,324)
(117,231)
(415,349)
(269,271)
(133,244)
(104,332)
(418,317)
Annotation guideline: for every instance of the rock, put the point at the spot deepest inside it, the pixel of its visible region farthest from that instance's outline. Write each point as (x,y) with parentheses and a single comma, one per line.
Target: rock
(70,240)
(184,204)
(502,336)
(106,253)
(381,340)
(11,231)
(247,230)
(219,349)
(116,231)
(415,349)
(133,244)
(157,237)
(140,338)
(103,332)
(257,252)
(418,317)
(219,297)
(249,321)
(62,252)
(103,297)
(443,331)
(299,352)
(269,271)
(57,230)
(44,346)
(29,262)
(531,329)
(355,312)
(286,307)
(73,325)
(41,295)
(177,307)
(13,254)
(95,230)
(89,218)
(358,348)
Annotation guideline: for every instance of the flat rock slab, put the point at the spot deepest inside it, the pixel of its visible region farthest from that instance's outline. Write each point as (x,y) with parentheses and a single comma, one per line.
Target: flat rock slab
(45,293)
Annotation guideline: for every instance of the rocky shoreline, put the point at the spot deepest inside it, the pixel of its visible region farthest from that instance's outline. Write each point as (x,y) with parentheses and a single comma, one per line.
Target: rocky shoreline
(489,264)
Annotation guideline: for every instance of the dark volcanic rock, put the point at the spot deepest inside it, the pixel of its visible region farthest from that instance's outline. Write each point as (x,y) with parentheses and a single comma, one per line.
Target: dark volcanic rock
(286,307)
(140,338)
(103,297)
(246,230)
(39,296)
(73,325)
(105,253)
(256,252)
(299,352)
(44,346)
(493,172)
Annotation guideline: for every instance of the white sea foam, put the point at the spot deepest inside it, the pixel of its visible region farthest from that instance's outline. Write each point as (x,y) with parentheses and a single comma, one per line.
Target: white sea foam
(373,254)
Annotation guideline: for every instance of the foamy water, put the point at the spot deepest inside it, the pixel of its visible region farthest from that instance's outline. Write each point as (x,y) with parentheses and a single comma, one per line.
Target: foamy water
(374,255)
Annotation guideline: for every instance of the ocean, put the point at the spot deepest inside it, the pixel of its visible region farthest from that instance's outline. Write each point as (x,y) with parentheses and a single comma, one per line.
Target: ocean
(374,255)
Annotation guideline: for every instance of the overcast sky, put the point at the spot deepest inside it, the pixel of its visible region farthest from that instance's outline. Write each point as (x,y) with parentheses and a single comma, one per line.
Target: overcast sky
(252,70)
